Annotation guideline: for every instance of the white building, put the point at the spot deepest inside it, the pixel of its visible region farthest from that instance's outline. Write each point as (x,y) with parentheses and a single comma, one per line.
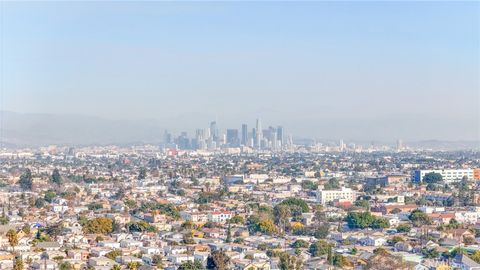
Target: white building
(344,194)
(448,175)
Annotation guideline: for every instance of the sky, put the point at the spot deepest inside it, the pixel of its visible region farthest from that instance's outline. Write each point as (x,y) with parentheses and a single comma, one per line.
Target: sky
(353,70)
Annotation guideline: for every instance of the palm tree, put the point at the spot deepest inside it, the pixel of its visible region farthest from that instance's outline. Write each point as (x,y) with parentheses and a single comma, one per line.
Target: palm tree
(44,256)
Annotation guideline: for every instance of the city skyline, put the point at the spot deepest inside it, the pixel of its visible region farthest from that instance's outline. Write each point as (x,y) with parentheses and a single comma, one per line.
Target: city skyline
(365,71)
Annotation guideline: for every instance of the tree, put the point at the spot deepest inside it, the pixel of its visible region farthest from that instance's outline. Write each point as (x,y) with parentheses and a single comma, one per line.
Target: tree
(341,261)
(299,244)
(356,220)
(101,225)
(432,178)
(332,183)
(39,202)
(322,231)
(380,223)
(363,204)
(218,260)
(142,174)
(267,226)
(289,262)
(157,260)
(237,220)
(12,238)
(319,248)
(56,178)
(419,218)
(189,265)
(113,254)
(116,267)
(26,181)
(133,265)
(49,196)
(298,202)
(308,184)
(476,256)
(65,266)
(430,253)
(141,226)
(18,264)
(229,234)
(404,228)
(282,214)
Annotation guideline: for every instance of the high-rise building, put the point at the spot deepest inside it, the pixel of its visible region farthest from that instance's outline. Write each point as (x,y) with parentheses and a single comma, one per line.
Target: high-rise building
(244,134)
(232,137)
(259,134)
(280,135)
(214,131)
(399,145)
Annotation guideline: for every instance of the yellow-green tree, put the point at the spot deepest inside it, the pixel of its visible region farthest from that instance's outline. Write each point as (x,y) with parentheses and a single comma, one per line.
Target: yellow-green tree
(18,264)
(101,225)
(12,238)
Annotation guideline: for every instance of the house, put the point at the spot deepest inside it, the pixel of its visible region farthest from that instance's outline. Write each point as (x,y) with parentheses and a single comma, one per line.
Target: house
(44,265)
(219,216)
(101,263)
(374,241)
(49,246)
(463,262)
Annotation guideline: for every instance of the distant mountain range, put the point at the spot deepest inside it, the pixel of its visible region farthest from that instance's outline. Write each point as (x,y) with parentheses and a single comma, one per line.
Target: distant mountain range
(44,129)
(35,129)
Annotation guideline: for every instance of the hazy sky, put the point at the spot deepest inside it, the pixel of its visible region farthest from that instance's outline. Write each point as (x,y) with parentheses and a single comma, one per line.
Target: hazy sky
(383,70)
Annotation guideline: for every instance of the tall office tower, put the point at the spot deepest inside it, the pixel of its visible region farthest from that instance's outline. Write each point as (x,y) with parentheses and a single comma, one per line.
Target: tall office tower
(214,131)
(280,135)
(399,145)
(244,134)
(259,135)
(167,137)
(341,145)
(232,137)
(254,137)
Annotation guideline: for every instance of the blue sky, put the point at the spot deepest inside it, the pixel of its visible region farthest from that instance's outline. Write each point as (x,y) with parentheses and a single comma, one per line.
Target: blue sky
(322,69)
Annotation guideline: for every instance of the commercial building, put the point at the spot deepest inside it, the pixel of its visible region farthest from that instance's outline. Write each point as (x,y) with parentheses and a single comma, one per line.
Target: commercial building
(343,194)
(448,175)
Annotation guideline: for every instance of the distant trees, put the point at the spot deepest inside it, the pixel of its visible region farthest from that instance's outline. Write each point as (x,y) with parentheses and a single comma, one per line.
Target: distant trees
(296,202)
(65,266)
(320,248)
(300,244)
(419,218)
(237,220)
(189,265)
(101,225)
(362,220)
(404,228)
(26,181)
(157,260)
(167,209)
(12,238)
(363,204)
(432,178)
(18,264)
(142,174)
(218,260)
(56,178)
(308,184)
(113,254)
(341,261)
(141,226)
(39,202)
(332,183)
(290,262)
